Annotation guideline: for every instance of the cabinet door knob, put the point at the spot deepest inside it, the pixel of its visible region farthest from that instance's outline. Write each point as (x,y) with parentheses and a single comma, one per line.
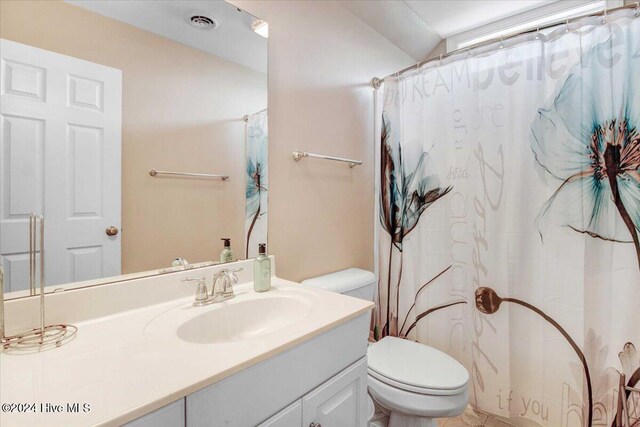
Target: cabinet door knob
(111,231)
(314,424)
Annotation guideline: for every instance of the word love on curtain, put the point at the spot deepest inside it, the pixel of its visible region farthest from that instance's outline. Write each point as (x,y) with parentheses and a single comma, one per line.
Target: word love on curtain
(509,218)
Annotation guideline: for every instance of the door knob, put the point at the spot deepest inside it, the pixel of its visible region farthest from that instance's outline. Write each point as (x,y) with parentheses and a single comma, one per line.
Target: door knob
(111,231)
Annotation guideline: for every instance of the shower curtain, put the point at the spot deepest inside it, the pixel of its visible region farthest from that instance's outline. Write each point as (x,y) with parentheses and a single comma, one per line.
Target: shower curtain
(508,220)
(256,198)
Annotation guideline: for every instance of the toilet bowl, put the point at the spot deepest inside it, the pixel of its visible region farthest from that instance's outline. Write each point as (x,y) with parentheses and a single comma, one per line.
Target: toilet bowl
(414,383)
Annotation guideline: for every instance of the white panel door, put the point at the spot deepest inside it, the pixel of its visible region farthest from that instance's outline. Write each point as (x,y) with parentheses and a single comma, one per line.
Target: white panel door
(60,151)
(341,401)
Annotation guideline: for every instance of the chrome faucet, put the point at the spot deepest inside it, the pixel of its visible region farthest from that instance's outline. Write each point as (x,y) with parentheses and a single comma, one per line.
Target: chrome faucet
(227,278)
(221,290)
(181,262)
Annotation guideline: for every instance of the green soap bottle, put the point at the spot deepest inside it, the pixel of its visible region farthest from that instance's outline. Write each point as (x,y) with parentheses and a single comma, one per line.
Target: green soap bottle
(227,254)
(262,270)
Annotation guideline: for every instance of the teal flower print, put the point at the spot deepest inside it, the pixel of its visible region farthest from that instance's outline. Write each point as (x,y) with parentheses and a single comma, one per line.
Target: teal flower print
(588,138)
(254,190)
(405,194)
(256,178)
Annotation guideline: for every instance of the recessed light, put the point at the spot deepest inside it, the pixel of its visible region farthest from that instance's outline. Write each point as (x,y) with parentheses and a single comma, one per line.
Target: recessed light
(260,27)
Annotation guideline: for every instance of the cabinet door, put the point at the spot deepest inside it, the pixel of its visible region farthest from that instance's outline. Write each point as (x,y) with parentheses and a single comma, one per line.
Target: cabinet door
(341,401)
(172,415)
(291,416)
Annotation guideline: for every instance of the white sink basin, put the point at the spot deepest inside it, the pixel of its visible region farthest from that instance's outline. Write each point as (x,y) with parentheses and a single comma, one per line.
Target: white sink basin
(244,320)
(248,316)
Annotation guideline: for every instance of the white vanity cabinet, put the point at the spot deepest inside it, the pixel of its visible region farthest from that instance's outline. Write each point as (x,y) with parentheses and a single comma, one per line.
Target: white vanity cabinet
(326,374)
(341,401)
(321,381)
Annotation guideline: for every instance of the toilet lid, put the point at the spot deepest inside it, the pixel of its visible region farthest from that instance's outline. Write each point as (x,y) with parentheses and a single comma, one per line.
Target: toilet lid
(416,365)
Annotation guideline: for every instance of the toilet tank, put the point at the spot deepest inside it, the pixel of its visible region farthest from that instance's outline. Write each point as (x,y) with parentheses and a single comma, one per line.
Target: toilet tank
(352,281)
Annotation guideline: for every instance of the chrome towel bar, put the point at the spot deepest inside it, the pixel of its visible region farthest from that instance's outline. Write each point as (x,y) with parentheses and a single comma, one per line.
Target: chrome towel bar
(297,155)
(154,172)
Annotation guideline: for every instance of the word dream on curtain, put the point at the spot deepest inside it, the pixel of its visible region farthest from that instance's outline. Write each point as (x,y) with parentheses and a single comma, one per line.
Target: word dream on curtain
(509,218)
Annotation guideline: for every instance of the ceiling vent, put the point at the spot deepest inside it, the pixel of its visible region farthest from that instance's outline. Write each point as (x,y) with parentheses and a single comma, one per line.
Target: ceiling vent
(201,20)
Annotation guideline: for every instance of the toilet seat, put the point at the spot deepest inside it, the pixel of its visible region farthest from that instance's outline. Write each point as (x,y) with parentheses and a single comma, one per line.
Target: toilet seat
(416,368)
(412,389)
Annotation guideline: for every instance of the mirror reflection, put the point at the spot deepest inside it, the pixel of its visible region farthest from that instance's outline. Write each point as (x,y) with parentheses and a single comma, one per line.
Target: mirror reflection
(137,130)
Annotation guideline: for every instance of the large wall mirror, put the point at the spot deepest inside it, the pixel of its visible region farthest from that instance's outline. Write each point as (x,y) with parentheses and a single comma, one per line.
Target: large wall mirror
(138,131)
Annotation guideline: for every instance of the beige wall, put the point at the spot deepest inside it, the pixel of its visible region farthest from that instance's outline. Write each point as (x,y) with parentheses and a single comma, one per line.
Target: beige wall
(321,59)
(182,110)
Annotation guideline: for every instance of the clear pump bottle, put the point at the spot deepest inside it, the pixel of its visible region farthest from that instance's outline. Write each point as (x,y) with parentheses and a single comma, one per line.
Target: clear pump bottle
(262,270)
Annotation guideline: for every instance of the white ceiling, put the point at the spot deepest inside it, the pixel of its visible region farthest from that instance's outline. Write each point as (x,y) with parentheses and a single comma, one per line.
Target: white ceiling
(452,17)
(398,23)
(417,26)
(233,39)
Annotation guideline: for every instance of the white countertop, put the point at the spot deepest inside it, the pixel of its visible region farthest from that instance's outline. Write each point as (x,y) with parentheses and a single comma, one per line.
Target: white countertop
(124,368)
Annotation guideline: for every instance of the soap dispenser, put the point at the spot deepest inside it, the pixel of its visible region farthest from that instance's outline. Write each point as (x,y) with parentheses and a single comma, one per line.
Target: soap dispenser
(262,270)
(227,254)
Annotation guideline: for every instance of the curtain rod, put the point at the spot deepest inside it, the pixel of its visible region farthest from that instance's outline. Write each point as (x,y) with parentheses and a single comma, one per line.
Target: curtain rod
(376,82)
(246,116)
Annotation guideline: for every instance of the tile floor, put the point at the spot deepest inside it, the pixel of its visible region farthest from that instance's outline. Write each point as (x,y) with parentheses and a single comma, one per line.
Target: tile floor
(473,418)
(470,418)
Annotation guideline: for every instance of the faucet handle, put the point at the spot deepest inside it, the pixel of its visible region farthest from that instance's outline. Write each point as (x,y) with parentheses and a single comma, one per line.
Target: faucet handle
(232,274)
(202,295)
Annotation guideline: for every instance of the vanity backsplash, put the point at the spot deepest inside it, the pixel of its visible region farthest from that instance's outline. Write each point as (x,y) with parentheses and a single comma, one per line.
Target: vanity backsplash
(77,305)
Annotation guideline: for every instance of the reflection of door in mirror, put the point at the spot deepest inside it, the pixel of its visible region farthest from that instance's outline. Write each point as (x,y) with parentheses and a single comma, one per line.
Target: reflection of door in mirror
(61,136)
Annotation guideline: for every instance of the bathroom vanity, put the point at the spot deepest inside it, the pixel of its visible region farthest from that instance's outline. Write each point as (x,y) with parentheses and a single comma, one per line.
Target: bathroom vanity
(301,386)
(288,357)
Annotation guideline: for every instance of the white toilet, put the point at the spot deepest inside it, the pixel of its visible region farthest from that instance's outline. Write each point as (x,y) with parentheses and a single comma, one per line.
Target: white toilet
(415,383)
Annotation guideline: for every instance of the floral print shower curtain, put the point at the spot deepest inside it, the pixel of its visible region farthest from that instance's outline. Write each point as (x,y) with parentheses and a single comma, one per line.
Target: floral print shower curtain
(256,197)
(509,220)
